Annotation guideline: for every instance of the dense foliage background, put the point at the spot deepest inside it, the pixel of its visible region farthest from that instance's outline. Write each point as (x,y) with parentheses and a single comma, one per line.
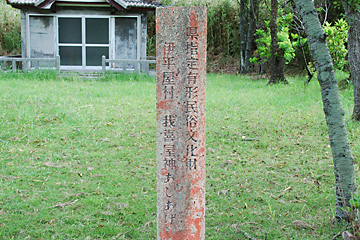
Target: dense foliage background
(224,33)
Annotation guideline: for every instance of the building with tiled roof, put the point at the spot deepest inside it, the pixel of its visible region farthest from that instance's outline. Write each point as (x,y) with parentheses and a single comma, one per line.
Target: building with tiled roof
(81,32)
(118,4)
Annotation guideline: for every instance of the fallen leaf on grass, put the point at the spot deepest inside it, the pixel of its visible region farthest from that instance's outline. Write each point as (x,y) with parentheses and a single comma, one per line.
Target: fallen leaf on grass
(348,236)
(107,213)
(51,164)
(51,221)
(287,189)
(26,212)
(248,139)
(8,177)
(61,205)
(90,168)
(97,175)
(246,206)
(79,194)
(121,205)
(148,224)
(36,180)
(248,223)
(298,201)
(301,225)
(283,227)
(223,192)
(105,140)
(272,182)
(211,150)
(228,163)
(146,227)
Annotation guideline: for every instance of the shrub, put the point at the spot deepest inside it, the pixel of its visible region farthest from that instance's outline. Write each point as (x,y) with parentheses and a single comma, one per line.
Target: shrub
(10,27)
(337,39)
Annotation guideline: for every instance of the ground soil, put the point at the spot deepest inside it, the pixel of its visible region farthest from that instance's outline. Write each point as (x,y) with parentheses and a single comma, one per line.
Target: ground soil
(222,64)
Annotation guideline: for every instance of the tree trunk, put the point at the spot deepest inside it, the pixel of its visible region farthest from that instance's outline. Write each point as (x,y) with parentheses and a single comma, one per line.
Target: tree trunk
(277,60)
(249,37)
(353,19)
(334,113)
(242,36)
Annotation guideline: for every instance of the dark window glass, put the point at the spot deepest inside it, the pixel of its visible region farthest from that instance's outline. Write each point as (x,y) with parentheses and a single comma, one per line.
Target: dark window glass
(94,55)
(70,56)
(70,30)
(97,31)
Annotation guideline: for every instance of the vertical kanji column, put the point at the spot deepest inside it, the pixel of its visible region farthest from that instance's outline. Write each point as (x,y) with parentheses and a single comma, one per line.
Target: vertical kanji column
(181,84)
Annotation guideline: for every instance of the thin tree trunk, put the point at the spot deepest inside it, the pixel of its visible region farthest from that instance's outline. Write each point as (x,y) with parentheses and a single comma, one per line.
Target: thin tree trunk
(249,37)
(309,73)
(277,60)
(256,16)
(353,19)
(242,36)
(334,113)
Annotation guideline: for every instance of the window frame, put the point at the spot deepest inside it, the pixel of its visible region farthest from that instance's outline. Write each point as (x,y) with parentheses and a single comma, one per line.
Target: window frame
(83,43)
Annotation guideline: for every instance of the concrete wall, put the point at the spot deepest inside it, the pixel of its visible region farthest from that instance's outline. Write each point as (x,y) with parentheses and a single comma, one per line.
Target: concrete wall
(126,38)
(143,35)
(24,46)
(42,37)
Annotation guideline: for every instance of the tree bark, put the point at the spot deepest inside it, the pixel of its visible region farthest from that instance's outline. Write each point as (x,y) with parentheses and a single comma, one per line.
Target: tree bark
(249,37)
(353,19)
(242,36)
(277,60)
(334,113)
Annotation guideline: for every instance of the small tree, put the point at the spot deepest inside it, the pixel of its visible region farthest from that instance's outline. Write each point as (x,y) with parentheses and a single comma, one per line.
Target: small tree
(277,61)
(334,113)
(264,41)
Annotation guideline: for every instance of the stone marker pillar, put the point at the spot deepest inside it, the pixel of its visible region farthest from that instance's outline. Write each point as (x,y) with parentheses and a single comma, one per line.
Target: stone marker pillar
(181,83)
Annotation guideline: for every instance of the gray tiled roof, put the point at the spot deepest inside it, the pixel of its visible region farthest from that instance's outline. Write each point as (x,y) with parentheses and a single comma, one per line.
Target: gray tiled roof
(140,3)
(22,2)
(123,3)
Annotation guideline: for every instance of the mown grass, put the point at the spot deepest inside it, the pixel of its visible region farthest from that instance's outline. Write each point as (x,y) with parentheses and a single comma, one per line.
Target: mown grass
(78,158)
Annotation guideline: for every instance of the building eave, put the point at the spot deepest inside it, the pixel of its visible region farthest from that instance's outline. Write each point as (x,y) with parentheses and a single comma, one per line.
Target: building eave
(120,5)
(43,4)
(117,5)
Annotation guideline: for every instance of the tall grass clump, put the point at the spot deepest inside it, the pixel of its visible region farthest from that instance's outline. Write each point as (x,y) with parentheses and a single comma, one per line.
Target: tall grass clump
(10,28)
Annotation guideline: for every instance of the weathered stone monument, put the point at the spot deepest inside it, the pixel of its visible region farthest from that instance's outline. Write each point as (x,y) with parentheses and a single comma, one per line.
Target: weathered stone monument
(181,83)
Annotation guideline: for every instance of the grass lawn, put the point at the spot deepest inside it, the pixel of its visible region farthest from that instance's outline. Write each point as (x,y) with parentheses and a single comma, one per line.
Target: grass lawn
(78,158)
